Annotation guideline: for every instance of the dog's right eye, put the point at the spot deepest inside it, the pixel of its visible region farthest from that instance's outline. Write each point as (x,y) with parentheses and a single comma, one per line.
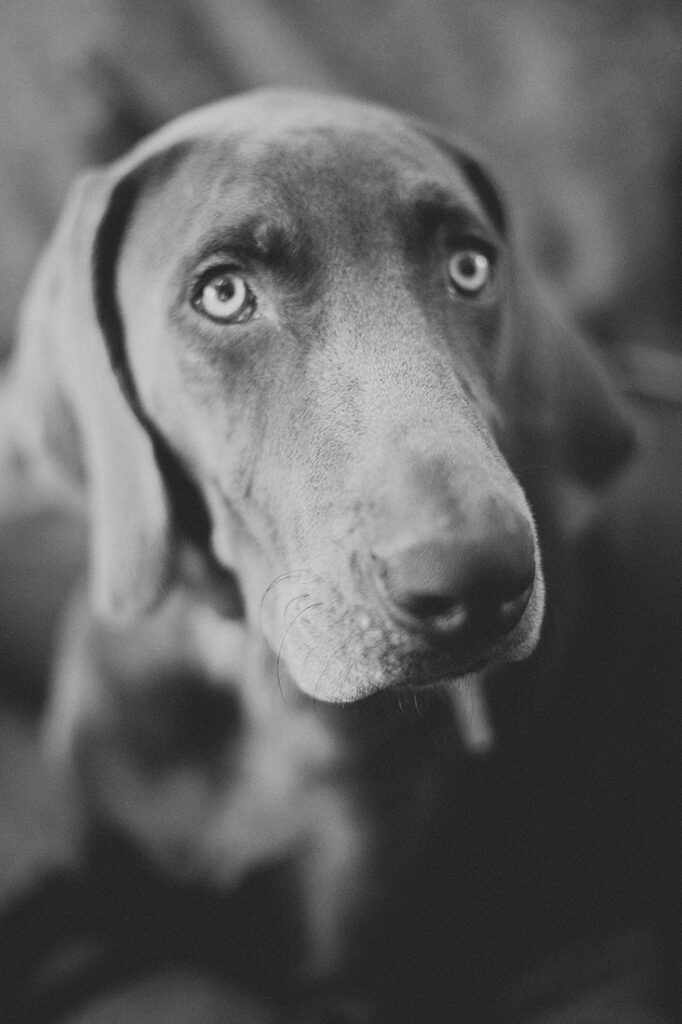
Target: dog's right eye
(224,297)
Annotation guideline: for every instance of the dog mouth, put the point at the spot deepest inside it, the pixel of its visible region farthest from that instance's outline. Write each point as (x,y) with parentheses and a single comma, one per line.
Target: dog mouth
(339,655)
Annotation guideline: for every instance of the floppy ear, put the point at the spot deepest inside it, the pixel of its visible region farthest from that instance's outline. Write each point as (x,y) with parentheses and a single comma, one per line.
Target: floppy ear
(66,410)
(561,404)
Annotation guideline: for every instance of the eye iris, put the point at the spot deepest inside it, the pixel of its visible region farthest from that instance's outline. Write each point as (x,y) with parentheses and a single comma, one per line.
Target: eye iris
(225,297)
(469,270)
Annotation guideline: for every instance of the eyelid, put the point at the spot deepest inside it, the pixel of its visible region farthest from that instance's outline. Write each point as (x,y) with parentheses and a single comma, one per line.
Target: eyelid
(455,241)
(214,262)
(218,265)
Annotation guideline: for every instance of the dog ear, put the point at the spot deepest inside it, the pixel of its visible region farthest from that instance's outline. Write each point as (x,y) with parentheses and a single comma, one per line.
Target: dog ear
(562,405)
(67,411)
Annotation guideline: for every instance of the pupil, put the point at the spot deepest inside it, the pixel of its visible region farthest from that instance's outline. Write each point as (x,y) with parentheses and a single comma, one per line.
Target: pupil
(467,266)
(225,290)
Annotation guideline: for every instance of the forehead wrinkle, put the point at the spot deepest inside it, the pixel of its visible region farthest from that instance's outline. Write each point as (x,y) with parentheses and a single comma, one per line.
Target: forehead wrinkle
(271,240)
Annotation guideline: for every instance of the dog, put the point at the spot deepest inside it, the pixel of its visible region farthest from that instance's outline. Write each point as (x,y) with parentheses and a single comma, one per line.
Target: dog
(329,434)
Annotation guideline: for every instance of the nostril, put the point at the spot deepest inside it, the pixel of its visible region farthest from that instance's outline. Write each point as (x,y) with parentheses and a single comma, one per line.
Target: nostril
(426,606)
(510,611)
(503,586)
(416,587)
(446,583)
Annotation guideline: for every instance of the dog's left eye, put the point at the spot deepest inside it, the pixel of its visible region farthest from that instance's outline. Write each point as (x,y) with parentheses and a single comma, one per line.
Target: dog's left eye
(469,271)
(224,296)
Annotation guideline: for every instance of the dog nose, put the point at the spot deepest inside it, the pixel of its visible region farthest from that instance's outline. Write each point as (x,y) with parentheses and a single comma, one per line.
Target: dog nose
(479,580)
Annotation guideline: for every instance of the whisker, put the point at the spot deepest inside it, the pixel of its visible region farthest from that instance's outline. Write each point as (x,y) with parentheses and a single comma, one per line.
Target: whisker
(335,654)
(273,583)
(315,604)
(311,649)
(298,597)
(279,579)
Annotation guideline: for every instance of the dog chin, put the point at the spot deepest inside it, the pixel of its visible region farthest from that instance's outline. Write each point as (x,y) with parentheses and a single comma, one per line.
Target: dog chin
(333,668)
(343,680)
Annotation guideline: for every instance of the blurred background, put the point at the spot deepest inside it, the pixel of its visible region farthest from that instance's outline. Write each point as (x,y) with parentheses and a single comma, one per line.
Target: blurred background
(577,104)
(579,108)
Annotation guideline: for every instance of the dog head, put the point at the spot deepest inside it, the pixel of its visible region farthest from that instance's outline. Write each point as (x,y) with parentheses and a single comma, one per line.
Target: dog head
(292,332)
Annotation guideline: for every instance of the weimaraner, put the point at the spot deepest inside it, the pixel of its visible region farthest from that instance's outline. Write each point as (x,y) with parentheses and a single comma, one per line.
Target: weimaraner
(325,424)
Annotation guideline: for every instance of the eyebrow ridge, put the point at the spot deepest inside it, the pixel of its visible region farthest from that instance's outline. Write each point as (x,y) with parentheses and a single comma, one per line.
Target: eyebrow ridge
(270,241)
(429,203)
(273,242)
